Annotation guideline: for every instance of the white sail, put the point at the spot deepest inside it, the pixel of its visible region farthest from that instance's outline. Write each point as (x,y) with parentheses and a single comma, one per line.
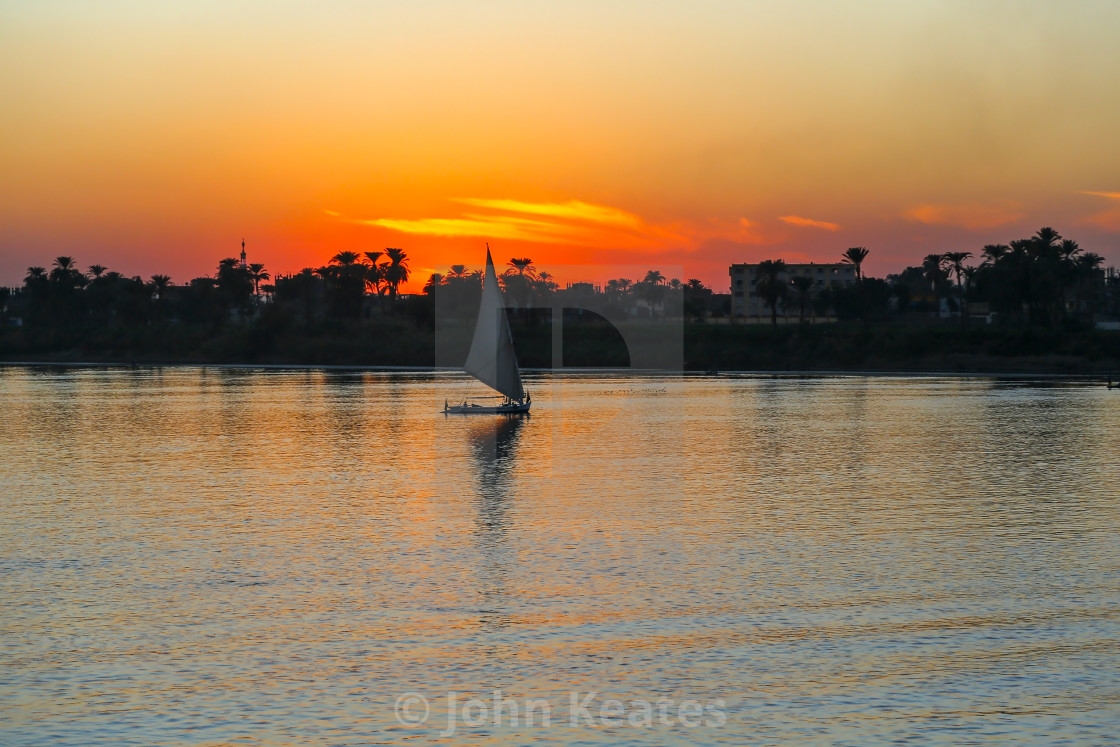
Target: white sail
(491,359)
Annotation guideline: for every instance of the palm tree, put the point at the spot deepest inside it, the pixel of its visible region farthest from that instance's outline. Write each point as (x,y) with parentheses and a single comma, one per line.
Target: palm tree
(1084,272)
(1068,249)
(855,256)
(544,285)
(65,272)
(157,287)
(524,266)
(257,274)
(160,283)
(993,253)
(651,289)
(955,262)
(1090,261)
(345,259)
(97,270)
(618,287)
(457,271)
(435,280)
(517,282)
(803,286)
(1047,237)
(375,276)
(235,287)
(934,273)
(395,271)
(770,286)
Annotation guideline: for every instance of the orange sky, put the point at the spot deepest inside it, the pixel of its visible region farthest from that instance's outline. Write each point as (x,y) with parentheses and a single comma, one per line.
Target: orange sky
(152,137)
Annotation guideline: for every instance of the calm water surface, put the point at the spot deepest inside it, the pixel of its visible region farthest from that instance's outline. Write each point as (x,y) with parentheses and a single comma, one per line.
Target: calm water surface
(210,557)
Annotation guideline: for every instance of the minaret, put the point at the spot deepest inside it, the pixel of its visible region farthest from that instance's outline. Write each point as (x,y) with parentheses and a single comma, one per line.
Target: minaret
(243,253)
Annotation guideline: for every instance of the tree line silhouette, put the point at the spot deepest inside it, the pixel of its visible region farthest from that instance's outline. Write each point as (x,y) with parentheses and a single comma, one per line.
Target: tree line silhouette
(1040,280)
(351,310)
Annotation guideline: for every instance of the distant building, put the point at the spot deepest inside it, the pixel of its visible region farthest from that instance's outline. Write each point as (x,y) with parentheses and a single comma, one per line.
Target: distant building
(746,303)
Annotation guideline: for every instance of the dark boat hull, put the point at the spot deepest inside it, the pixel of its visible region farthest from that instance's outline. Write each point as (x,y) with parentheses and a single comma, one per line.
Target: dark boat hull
(514,409)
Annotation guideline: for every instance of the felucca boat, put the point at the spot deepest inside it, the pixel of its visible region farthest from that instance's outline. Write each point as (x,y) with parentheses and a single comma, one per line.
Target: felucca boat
(492,359)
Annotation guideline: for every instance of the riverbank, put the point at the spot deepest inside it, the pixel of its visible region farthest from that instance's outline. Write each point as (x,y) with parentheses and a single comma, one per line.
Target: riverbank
(397,343)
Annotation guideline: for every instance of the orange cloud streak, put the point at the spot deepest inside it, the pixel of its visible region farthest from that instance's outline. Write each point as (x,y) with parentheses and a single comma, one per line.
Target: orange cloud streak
(1107,219)
(797,220)
(573,222)
(972,217)
(573,209)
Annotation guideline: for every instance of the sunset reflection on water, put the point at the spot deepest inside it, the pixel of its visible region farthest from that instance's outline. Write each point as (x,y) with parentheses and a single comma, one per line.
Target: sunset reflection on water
(214,556)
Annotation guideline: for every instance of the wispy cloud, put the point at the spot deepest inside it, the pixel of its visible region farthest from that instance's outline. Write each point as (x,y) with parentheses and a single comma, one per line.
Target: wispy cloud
(973,217)
(571,210)
(498,227)
(797,220)
(1108,219)
(571,222)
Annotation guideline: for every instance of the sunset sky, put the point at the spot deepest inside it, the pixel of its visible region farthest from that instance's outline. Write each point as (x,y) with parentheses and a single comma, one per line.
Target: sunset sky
(152,137)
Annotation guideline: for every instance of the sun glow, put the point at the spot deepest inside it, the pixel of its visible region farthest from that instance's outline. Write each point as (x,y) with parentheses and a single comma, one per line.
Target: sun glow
(572,133)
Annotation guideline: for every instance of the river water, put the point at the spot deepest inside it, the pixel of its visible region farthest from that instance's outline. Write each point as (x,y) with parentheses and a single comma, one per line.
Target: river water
(267,557)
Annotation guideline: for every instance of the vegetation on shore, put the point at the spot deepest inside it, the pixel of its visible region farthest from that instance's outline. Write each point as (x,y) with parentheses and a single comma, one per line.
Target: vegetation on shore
(1045,292)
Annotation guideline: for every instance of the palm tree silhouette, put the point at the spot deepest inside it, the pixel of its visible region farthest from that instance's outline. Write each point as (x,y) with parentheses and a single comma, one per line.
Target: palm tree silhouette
(855,256)
(994,252)
(955,262)
(65,271)
(770,286)
(435,280)
(803,287)
(1047,237)
(517,283)
(375,276)
(157,287)
(396,272)
(257,274)
(934,273)
(345,259)
(160,283)
(97,270)
(524,266)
